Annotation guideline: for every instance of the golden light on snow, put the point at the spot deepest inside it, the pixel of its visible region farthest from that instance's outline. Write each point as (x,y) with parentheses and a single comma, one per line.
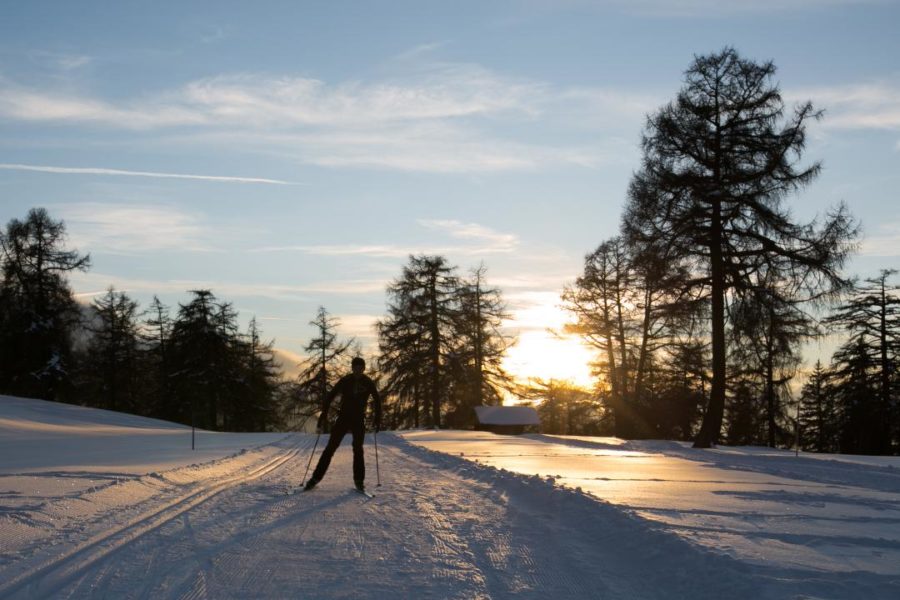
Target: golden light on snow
(542,354)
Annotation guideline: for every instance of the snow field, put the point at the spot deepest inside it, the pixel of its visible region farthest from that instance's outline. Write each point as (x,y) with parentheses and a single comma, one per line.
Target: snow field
(119,507)
(824,527)
(72,477)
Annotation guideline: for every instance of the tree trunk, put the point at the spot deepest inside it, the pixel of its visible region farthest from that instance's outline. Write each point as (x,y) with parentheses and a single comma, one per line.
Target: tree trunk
(884,441)
(479,375)
(642,354)
(715,412)
(435,357)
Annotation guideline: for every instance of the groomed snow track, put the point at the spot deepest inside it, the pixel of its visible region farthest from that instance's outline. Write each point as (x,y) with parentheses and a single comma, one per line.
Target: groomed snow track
(52,575)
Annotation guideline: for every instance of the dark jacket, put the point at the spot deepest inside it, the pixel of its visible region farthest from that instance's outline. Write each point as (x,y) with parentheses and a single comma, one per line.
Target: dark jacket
(354,391)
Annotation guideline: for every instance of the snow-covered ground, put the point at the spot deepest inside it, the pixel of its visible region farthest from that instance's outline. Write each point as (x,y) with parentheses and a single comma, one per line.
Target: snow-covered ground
(812,518)
(97,504)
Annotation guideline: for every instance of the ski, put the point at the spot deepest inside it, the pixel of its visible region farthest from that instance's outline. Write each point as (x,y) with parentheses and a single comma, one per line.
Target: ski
(368,495)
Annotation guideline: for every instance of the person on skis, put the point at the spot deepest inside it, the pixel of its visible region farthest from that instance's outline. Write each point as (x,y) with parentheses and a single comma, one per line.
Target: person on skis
(354,390)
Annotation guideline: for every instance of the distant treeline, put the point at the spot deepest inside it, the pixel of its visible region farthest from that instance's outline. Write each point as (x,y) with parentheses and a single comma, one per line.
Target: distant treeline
(195,366)
(440,346)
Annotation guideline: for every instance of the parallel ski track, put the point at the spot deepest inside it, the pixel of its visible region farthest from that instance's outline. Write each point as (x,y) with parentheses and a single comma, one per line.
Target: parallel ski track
(61,570)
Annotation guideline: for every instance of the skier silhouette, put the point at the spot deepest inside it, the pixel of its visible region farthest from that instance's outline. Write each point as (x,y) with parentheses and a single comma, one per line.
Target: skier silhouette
(354,390)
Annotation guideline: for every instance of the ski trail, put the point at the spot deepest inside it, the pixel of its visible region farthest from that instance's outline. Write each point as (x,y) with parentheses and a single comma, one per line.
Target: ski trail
(439,528)
(76,564)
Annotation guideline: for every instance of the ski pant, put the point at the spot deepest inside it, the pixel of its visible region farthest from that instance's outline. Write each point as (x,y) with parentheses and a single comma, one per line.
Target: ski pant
(358,428)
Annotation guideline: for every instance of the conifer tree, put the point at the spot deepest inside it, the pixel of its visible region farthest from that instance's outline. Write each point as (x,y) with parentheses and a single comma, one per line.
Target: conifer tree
(111,371)
(818,416)
(205,362)
(37,309)
(479,377)
(416,339)
(326,356)
(719,163)
(872,319)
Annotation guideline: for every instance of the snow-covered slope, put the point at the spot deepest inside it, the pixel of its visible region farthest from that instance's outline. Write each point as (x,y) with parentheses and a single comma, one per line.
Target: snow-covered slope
(108,505)
(36,435)
(69,472)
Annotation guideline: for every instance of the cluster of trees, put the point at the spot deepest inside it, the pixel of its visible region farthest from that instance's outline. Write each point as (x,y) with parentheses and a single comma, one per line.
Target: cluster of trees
(853,405)
(441,345)
(700,306)
(194,367)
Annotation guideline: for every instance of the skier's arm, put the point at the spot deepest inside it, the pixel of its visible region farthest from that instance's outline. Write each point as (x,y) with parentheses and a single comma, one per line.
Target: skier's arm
(329,398)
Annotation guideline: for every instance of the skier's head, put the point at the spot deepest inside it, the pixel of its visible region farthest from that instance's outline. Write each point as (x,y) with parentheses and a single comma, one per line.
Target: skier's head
(358,365)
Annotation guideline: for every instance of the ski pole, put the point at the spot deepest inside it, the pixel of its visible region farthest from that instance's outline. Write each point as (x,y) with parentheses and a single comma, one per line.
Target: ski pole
(377,467)
(313,453)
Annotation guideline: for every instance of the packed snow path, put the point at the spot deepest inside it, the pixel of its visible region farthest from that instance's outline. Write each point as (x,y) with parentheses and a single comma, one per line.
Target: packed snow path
(807,516)
(438,528)
(101,504)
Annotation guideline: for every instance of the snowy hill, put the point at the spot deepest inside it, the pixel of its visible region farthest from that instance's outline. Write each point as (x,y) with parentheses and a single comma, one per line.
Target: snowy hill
(39,435)
(98,504)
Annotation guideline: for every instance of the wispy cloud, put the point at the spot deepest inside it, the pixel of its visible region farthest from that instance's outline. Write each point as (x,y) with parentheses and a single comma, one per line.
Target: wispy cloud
(289,362)
(362,327)
(437,117)
(127,173)
(130,229)
(872,105)
(25,104)
(884,243)
(475,239)
(91,283)
(63,61)
(446,92)
(495,240)
(529,281)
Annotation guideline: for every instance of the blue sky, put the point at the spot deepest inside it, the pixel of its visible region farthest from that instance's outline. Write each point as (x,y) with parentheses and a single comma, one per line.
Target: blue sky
(324,142)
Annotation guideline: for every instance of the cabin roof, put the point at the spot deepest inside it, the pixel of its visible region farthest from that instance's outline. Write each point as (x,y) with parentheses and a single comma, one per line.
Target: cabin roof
(507,415)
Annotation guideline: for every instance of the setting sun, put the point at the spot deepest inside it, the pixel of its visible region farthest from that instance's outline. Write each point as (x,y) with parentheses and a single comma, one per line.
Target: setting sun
(541,353)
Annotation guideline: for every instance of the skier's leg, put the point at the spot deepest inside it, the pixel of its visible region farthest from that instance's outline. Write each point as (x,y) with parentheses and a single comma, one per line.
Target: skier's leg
(337,434)
(359,463)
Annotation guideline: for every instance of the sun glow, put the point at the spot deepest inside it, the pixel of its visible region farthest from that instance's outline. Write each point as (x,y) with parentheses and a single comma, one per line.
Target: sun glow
(542,354)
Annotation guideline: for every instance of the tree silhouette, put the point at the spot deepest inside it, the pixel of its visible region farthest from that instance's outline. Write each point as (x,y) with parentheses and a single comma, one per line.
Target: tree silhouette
(205,365)
(818,416)
(718,164)
(111,365)
(37,309)
(416,339)
(256,407)
(322,368)
(156,335)
(872,318)
(479,377)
